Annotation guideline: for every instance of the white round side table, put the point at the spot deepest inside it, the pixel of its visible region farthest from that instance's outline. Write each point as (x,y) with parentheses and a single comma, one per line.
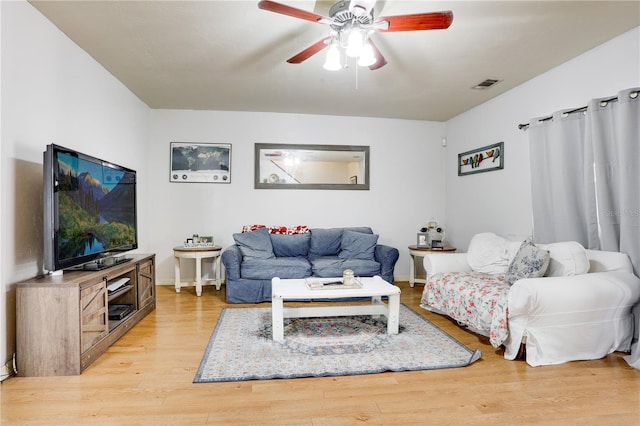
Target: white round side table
(197,253)
(420,252)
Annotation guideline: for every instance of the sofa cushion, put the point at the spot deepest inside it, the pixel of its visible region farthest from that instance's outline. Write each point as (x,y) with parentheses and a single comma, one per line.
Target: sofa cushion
(327,266)
(363,267)
(328,241)
(291,245)
(255,244)
(357,245)
(529,262)
(325,242)
(490,253)
(333,266)
(567,258)
(283,267)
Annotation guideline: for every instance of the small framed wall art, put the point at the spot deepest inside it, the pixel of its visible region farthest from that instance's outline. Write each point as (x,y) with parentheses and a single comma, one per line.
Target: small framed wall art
(485,159)
(200,162)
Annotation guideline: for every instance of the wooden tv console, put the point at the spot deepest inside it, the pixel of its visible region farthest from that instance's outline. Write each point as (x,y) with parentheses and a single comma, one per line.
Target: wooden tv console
(62,321)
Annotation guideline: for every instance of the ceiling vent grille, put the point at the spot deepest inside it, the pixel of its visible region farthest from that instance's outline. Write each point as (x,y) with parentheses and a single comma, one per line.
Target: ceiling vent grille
(486,84)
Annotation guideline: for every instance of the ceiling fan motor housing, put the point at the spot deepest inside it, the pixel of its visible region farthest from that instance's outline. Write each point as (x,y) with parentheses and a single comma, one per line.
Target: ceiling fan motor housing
(341,14)
(361,7)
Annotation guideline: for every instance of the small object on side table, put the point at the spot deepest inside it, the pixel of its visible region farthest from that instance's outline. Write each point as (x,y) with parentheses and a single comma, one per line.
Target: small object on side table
(420,252)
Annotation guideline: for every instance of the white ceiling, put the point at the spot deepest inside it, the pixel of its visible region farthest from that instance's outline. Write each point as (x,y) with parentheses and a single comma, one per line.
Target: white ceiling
(230,55)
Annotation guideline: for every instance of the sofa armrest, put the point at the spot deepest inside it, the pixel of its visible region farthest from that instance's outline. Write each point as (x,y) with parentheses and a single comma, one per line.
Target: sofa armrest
(582,316)
(387,256)
(435,263)
(547,296)
(232,258)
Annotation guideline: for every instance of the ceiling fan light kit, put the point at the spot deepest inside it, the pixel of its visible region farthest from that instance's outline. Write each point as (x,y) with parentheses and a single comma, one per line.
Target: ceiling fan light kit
(352,26)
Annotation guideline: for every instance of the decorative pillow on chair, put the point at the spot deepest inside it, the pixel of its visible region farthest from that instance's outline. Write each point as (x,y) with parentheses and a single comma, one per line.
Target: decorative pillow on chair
(529,262)
(357,245)
(255,244)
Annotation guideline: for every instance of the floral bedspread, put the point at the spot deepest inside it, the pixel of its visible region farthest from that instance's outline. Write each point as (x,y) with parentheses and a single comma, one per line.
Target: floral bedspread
(475,300)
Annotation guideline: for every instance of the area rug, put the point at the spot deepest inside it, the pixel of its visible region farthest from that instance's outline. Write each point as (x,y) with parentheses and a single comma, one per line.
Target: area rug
(241,347)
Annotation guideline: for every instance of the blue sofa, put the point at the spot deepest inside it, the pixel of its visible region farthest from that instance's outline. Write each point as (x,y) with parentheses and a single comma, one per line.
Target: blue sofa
(258,256)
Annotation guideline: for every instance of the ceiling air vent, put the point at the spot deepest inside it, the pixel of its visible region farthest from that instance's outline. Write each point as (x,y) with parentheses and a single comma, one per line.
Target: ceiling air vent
(486,84)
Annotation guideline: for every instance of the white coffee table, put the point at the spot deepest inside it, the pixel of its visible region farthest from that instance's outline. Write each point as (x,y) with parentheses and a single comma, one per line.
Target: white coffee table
(296,289)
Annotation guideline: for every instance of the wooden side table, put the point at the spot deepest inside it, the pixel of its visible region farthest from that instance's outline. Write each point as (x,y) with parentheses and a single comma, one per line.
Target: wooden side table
(420,252)
(197,253)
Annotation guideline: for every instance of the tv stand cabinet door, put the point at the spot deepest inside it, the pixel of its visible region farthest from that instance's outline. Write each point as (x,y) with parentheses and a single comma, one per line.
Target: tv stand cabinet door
(146,282)
(94,314)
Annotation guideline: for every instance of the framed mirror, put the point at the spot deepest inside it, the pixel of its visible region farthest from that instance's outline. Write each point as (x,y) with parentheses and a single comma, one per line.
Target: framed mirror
(286,166)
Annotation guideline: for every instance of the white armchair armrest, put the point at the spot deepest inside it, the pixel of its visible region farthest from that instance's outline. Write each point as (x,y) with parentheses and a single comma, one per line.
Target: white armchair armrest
(445,262)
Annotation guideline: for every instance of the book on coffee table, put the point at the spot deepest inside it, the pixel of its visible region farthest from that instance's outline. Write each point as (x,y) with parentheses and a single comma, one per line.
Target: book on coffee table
(331,283)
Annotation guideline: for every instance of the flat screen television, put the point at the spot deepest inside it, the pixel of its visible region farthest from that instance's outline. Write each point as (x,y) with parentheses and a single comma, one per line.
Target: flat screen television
(90,215)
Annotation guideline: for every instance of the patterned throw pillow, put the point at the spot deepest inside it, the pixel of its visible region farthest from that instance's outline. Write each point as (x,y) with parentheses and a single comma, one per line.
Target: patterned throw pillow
(529,262)
(285,230)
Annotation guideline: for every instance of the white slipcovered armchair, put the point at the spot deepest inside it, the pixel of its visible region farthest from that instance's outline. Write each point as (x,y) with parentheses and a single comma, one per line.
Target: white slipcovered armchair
(580,309)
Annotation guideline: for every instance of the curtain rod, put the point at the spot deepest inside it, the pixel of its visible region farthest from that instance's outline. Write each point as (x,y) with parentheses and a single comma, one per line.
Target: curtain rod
(581,109)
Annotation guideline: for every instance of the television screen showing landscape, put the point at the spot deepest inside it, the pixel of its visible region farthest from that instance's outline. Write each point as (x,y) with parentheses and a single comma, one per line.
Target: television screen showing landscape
(96,207)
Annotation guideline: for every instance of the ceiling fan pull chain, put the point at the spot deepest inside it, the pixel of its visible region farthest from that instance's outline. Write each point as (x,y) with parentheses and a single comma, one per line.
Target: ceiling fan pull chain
(356,67)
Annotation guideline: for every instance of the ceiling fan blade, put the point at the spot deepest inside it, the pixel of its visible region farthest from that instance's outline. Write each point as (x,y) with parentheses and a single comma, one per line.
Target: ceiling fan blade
(417,22)
(380,60)
(283,9)
(309,51)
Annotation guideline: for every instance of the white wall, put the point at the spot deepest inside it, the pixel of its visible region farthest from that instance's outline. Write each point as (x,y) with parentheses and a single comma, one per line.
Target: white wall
(52,91)
(406,180)
(500,201)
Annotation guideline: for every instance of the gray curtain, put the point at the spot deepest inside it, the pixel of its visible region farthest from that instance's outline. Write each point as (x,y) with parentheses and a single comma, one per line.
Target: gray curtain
(557,149)
(585,179)
(613,137)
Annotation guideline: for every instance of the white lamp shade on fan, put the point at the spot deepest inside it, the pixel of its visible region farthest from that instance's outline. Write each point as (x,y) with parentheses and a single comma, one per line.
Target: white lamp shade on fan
(332,62)
(367,58)
(355,43)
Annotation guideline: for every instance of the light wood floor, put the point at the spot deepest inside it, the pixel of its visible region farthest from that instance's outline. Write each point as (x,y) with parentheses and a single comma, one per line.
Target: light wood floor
(146,378)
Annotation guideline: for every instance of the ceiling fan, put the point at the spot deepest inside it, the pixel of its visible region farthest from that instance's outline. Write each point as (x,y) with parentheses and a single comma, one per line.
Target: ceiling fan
(352,25)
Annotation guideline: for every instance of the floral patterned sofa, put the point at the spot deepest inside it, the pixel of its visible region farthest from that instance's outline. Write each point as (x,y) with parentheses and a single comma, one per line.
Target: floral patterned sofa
(555,302)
